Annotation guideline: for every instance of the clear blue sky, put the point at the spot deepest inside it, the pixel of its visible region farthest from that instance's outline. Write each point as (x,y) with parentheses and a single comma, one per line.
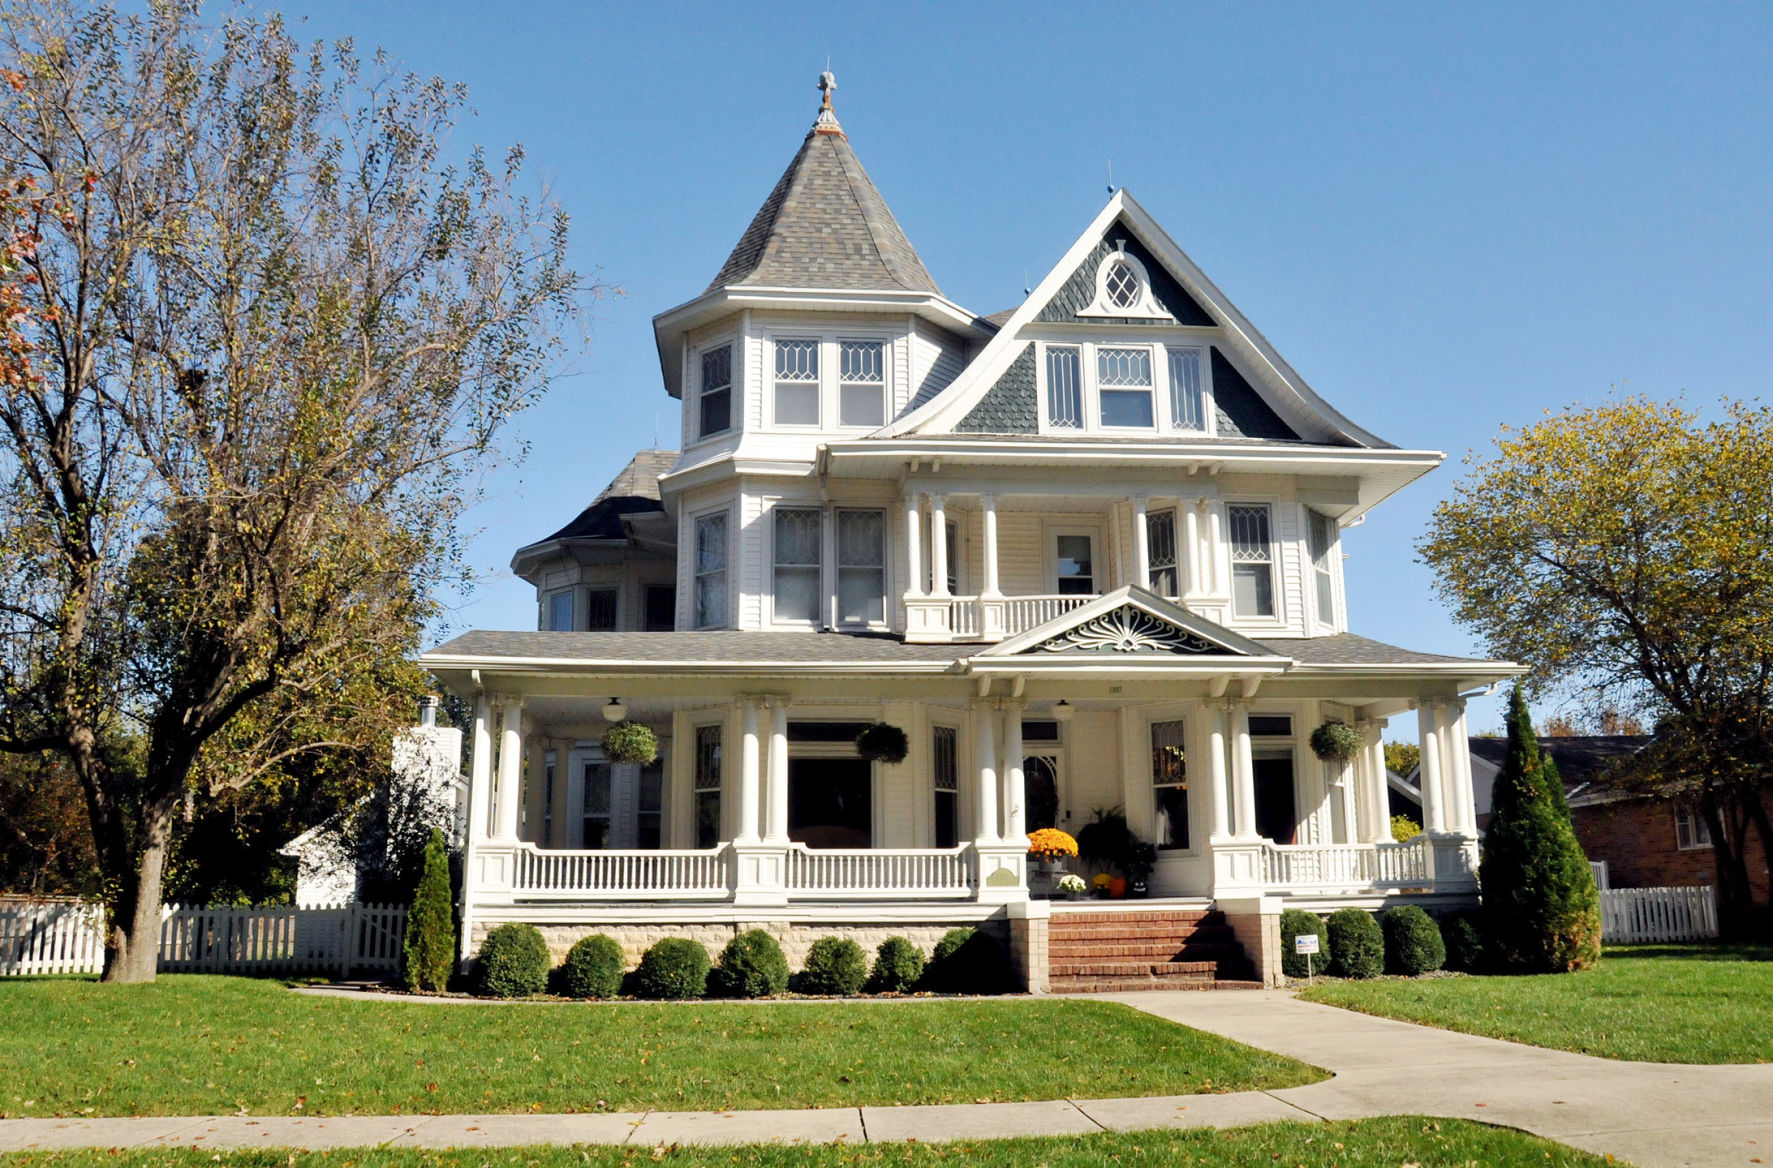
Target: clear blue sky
(1446,217)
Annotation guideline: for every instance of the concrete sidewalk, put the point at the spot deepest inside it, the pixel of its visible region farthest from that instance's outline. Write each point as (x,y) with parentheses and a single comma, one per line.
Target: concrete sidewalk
(1650,1114)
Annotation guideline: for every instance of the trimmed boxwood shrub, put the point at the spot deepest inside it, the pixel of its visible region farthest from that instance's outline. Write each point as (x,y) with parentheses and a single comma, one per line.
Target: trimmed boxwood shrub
(672,969)
(967,961)
(593,968)
(1463,936)
(1413,944)
(1293,922)
(1357,945)
(835,966)
(513,962)
(751,966)
(898,966)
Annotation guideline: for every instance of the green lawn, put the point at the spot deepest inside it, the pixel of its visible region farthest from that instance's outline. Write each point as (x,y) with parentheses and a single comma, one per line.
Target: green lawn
(1367,1143)
(1676,1004)
(189,1045)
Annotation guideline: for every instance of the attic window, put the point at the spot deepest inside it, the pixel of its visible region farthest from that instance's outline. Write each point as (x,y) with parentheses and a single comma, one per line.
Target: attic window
(1122,285)
(1123,289)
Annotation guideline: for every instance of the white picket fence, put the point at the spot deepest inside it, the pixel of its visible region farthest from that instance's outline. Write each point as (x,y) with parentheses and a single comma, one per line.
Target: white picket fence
(339,939)
(1634,916)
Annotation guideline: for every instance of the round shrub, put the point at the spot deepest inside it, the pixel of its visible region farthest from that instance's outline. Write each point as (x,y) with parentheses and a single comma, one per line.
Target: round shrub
(1357,946)
(1413,944)
(967,961)
(593,968)
(1294,922)
(1464,939)
(898,967)
(751,966)
(672,969)
(513,962)
(835,966)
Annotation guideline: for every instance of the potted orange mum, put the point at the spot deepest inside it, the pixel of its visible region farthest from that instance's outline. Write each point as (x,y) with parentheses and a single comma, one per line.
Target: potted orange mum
(1051,847)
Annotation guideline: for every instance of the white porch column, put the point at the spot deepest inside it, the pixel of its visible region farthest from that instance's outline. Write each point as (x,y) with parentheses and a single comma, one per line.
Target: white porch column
(1015,796)
(1372,796)
(1428,729)
(480,759)
(914,543)
(1215,582)
(1461,805)
(510,786)
(749,774)
(1243,770)
(988,507)
(938,545)
(1191,541)
(775,827)
(985,764)
(1141,544)
(1218,774)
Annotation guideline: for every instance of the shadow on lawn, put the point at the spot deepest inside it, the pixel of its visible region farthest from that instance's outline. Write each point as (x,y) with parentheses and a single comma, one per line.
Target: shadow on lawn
(1693,952)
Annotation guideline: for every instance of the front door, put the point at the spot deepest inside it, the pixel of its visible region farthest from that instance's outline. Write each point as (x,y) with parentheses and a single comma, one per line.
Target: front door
(1276,816)
(829,802)
(1040,779)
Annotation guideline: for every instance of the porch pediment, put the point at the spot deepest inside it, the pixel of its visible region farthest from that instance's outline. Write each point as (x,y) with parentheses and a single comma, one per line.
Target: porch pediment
(1129,623)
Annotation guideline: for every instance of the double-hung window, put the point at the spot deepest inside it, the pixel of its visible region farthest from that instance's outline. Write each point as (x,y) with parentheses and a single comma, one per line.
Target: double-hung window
(1123,387)
(1252,560)
(1074,565)
(716,402)
(1188,405)
(710,574)
(861,567)
(1691,830)
(946,773)
(1169,783)
(797,383)
(798,559)
(1064,387)
(1320,537)
(861,386)
(1160,543)
(706,791)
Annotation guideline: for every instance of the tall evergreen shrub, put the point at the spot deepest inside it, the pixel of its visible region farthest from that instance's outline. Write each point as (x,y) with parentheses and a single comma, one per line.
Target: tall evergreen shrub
(1541,909)
(429,953)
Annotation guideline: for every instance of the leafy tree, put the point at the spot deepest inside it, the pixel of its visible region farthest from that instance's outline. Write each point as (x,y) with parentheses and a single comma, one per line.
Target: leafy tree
(259,331)
(1402,757)
(45,847)
(1626,553)
(429,953)
(1404,829)
(1542,912)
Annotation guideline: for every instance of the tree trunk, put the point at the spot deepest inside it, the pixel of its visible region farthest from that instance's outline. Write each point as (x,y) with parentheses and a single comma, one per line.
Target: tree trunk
(1756,802)
(1735,895)
(132,942)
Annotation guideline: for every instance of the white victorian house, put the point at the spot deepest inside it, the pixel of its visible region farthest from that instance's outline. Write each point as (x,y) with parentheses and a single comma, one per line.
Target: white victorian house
(1085,553)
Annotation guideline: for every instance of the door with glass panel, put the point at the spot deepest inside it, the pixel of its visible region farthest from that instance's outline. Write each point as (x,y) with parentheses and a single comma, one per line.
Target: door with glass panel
(614,805)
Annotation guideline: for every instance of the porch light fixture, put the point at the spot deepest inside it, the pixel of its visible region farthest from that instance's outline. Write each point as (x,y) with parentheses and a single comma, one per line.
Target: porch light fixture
(615,711)
(1063,710)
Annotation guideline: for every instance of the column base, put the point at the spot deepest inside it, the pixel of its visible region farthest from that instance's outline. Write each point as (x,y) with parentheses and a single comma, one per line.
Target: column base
(760,874)
(1237,866)
(1003,872)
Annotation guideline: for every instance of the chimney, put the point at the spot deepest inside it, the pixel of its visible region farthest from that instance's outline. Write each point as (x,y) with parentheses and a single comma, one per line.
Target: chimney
(427,711)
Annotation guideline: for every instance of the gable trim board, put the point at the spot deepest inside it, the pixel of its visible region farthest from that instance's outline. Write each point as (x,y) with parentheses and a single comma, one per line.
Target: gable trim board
(1309,415)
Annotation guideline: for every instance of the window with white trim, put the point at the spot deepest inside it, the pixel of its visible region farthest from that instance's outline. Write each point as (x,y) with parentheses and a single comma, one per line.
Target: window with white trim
(1188,402)
(560,610)
(600,610)
(945,744)
(1320,539)
(1160,544)
(861,387)
(1252,559)
(1064,388)
(797,383)
(1123,387)
(798,556)
(710,571)
(715,404)
(705,794)
(1074,564)
(861,567)
(1691,830)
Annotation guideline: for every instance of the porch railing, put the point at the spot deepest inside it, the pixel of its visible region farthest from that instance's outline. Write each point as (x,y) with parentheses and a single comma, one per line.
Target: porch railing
(862,873)
(622,875)
(1347,866)
(967,618)
(1022,613)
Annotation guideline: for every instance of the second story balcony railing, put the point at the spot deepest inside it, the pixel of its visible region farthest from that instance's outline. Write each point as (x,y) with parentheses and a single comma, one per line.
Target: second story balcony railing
(981,618)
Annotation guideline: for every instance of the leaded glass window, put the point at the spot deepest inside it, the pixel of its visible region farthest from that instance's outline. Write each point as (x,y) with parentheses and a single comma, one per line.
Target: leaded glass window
(710,575)
(1187,401)
(1123,386)
(1122,285)
(861,383)
(1160,542)
(797,383)
(1252,560)
(1064,391)
(1169,783)
(861,566)
(717,391)
(706,791)
(797,553)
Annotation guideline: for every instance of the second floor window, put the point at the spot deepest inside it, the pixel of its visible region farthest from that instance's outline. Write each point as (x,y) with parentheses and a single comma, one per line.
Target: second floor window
(1074,563)
(1123,381)
(1160,541)
(798,557)
(861,567)
(560,610)
(710,575)
(1188,407)
(1252,560)
(1064,388)
(797,383)
(861,390)
(600,610)
(1320,535)
(716,412)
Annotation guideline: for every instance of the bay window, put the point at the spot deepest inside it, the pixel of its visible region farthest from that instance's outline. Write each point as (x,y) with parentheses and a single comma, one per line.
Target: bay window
(1252,560)
(861,390)
(710,571)
(797,561)
(715,415)
(861,567)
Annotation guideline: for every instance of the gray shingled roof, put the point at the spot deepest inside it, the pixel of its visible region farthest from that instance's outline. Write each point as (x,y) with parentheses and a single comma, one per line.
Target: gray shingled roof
(825,226)
(634,489)
(730,647)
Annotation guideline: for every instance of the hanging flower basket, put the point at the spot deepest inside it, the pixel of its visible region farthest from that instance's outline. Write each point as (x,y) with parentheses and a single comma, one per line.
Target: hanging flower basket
(883,742)
(1337,741)
(630,742)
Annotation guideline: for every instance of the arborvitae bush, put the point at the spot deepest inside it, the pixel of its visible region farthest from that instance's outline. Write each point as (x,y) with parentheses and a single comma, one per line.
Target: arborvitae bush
(1413,944)
(1463,934)
(968,961)
(593,968)
(1293,922)
(898,966)
(513,962)
(429,952)
(835,966)
(673,969)
(1542,911)
(751,966)
(1357,946)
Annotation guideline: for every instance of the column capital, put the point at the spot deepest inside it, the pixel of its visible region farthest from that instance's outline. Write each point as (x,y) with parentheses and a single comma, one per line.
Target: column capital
(988,498)
(938,498)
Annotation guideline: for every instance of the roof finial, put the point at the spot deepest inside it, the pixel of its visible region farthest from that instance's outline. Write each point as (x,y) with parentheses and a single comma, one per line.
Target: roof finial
(827,120)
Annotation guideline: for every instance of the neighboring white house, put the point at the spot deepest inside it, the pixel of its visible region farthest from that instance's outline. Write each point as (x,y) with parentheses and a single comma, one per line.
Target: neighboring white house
(1085,553)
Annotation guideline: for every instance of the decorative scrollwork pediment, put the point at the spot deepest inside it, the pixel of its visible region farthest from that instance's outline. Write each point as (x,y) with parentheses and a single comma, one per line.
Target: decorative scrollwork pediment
(1129,630)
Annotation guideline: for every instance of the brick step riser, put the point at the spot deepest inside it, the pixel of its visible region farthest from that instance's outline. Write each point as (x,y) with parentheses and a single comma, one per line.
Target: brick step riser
(1147,954)
(1130,969)
(1117,920)
(1204,932)
(1099,985)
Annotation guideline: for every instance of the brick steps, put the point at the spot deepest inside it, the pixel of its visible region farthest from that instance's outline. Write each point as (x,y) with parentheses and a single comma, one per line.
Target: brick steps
(1150,950)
